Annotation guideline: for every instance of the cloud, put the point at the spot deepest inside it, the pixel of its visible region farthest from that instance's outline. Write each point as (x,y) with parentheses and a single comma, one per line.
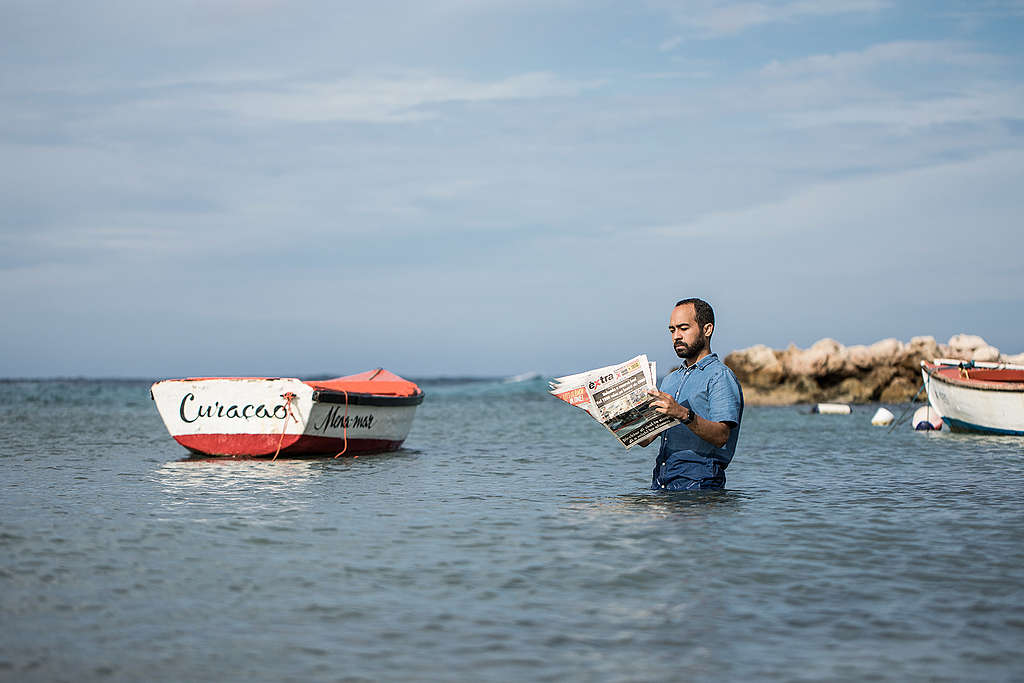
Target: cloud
(715,18)
(879,56)
(896,254)
(897,85)
(886,216)
(977,107)
(670,44)
(398,98)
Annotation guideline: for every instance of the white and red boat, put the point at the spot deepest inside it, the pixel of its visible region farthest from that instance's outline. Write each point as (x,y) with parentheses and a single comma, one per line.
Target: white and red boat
(370,412)
(977,397)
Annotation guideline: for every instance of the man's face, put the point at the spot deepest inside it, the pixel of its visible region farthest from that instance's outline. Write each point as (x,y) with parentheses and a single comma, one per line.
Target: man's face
(688,339)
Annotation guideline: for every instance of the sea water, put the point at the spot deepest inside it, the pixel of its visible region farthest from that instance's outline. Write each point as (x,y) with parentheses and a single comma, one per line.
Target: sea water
(510,539)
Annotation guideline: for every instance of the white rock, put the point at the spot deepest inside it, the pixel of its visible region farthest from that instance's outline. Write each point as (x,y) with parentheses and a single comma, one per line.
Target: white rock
(985,353)
(882,352)
(861,357)
(962,346)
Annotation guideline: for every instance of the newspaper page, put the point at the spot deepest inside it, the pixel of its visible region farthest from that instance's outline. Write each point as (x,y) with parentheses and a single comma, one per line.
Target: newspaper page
(616,396)
(573,388)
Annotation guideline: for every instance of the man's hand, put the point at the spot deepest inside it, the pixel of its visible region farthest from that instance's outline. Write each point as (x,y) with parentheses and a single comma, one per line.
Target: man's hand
(715,433)
(666,405)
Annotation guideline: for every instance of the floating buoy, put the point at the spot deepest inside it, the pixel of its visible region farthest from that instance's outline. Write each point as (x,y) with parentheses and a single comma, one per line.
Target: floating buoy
(926,419)
(832,409)
(882,417)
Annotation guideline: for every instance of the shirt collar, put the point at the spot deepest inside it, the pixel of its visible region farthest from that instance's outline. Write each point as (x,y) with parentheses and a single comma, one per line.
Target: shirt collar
(702,363)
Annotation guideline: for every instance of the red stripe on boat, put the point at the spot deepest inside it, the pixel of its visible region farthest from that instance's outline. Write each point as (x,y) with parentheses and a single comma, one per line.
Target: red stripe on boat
(266,444)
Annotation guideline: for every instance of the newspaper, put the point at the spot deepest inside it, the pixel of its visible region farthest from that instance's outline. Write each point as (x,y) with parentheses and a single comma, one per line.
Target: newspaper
(616,396)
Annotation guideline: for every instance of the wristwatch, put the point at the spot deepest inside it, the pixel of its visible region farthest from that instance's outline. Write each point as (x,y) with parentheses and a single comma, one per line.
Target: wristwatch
(690,415)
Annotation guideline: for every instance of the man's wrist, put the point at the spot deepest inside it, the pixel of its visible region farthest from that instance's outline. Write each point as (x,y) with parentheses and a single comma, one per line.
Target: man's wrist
(689,417)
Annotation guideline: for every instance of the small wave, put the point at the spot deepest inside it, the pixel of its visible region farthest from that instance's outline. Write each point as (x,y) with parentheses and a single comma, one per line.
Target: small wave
(523,377)
(481,386)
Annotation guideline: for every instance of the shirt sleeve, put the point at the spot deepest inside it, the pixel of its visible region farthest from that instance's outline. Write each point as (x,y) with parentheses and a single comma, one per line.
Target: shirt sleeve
(724,399)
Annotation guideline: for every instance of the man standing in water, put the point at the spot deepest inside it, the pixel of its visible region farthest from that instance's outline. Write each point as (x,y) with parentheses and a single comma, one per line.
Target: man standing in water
(706,397)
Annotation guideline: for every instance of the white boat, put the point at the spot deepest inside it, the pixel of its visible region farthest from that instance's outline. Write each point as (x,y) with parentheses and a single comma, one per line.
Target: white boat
(977,397)
(260,416)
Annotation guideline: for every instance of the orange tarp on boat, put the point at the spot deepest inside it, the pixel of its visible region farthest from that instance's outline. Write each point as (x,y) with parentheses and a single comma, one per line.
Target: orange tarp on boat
(379,381)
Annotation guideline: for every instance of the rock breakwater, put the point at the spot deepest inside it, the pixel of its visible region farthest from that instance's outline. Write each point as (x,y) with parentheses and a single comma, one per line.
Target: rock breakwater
(888,371)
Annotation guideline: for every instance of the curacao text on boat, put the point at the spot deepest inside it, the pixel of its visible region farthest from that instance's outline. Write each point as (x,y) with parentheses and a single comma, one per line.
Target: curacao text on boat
(247,411)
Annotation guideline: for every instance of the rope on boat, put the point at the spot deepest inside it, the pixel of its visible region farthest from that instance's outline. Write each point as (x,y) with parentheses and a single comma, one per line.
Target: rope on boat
(288,397)
(908,409)
(344,427)
(964,367)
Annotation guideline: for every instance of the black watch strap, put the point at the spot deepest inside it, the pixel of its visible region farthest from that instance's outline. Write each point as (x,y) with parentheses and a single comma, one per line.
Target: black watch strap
(690,415)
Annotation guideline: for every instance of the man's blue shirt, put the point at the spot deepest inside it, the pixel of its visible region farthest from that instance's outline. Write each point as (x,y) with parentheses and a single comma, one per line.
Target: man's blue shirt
(711,390)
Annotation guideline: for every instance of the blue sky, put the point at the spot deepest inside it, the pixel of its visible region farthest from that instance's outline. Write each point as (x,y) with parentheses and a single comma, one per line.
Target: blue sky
(267,187)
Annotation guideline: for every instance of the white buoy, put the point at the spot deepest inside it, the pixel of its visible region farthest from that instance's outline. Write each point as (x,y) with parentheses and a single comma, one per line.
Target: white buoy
(832,409)
(926,418)
(882,417)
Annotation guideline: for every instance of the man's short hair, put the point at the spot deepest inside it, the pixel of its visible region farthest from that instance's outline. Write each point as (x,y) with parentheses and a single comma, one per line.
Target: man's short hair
(702,311)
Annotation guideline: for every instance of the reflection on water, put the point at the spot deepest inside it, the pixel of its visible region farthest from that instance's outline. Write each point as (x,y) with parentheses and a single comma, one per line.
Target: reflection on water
(996,444)
(665,504)
(260,484)
(243,485)
(675,502)
(192,471)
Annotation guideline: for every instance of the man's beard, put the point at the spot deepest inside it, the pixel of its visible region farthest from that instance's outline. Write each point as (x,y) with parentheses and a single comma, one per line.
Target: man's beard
(690,352)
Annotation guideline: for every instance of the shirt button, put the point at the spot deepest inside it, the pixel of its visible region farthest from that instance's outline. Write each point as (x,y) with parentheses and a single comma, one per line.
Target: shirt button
(662,486)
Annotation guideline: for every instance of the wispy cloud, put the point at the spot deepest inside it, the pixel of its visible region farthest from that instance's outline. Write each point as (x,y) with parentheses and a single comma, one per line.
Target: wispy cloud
(978,106)
(670,44)
(940,203)
(877,56)
(898,85)
(377,99)
(716,18)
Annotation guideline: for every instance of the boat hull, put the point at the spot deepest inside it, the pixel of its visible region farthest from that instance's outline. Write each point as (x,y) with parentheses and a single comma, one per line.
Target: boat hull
(280,417)
(984,398)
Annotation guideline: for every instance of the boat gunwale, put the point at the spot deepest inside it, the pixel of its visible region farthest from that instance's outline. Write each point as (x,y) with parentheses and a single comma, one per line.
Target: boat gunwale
(934,371)
(357,398)
(322,394)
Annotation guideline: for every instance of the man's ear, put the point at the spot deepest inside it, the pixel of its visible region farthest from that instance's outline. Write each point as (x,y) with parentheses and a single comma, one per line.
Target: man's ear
(709,329)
